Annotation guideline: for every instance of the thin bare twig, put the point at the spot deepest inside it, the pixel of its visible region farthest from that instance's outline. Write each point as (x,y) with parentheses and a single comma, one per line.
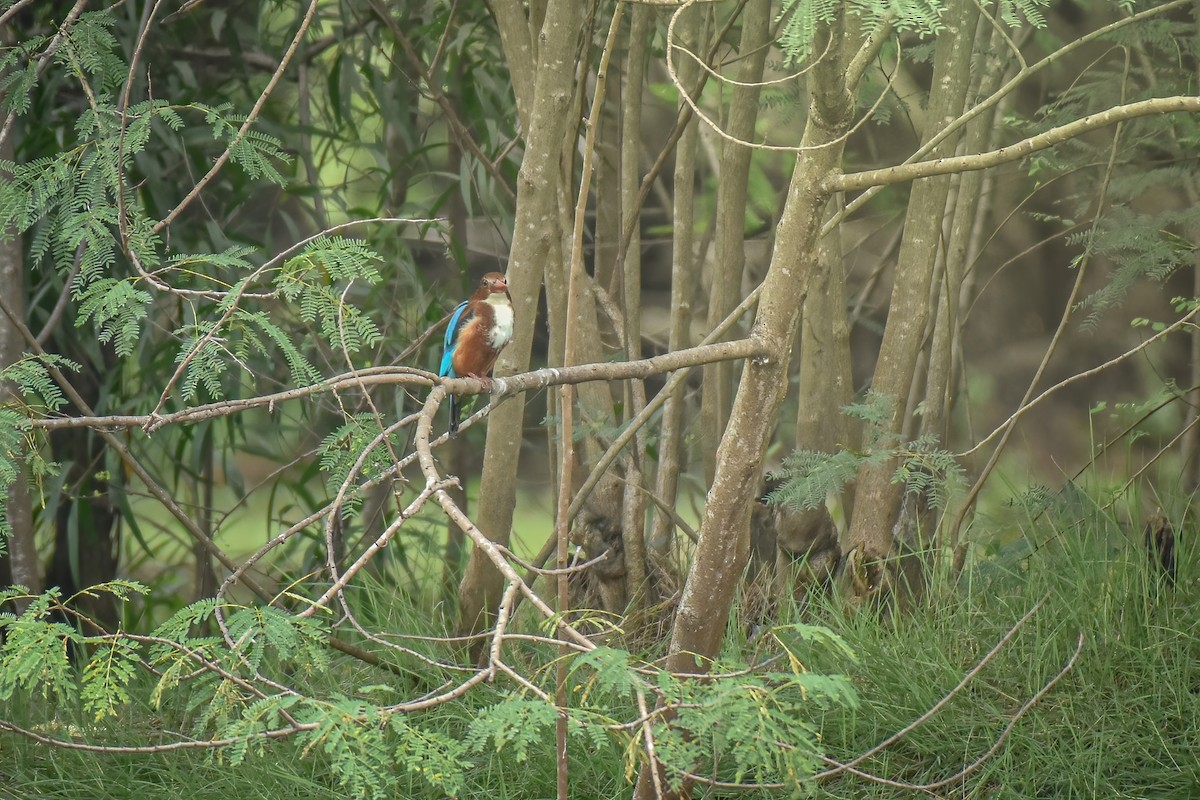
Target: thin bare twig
(12,11)
(837,768)
(148,13)
(940,704)
(865,117)
(250,120)
(187,744)
(449,113)
(44,59)
(341,581)
(480,540)
(993,99)
(60,305)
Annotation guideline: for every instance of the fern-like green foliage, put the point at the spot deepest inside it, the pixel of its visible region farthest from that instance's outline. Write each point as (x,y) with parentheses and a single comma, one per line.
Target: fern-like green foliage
(79,206)
(91,48)
(802,19)
(117,309)
(798,33)
(1031,10)
(437,759)
(32,378)
(736,723)
(1139,246)
(246,696)
(106,677)
(212,346)
(264,630)
(351,733)
(35,656)
(81,215)
(18,74)
(14,427)
(315,280)
(364,743)
(225,692)
(341,449)
(930,472)
(217,670)
(809,476)
(605,675)
(311,278)
(742,723)
(516,723)
(1129,238)
(38,394)
(174,664)
(254,151)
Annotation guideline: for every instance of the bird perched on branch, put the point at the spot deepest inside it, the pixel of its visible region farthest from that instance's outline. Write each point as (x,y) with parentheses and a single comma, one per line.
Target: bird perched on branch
(479,329)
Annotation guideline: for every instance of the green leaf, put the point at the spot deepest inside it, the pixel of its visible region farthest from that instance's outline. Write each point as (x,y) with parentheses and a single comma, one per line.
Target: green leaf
(514,722)
(34,657)
(112,665)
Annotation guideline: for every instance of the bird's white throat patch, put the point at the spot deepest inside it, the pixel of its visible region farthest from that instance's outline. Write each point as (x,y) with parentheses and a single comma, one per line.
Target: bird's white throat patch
(502,321)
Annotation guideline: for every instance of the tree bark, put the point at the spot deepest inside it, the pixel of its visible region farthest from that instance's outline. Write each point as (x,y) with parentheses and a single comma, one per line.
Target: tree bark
(730,256)
(826,387)
(683,293)
(517,39)
(948,323)
(633,524)
(1190,446)
(877,500)
(21,551)
(536,237)
(953,293)
(724,538)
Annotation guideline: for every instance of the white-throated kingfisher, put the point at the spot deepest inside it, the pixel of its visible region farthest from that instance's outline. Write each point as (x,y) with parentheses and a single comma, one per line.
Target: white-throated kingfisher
(479,329)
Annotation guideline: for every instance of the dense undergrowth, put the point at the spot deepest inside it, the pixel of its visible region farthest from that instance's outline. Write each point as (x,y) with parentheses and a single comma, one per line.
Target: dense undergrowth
(1119,723)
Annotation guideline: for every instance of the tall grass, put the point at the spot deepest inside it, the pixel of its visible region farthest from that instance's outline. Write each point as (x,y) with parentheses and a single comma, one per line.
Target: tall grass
(1121,723)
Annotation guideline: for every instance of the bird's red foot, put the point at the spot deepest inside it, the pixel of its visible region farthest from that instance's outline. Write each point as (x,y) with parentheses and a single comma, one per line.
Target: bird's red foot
(484,379)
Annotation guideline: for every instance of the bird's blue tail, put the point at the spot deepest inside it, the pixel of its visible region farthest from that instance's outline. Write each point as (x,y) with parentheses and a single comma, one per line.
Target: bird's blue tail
(453,415)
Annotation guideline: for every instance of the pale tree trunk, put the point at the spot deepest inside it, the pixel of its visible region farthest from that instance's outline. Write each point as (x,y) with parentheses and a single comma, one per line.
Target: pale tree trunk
(633,526)
(825,382)
(877,499)
(603,508)
(724,539)
(606,180)
(953,292)
(536,239)
(598,526)
(518,39)
(683,293)
(826,387)
(21,550)
(730,257)
(21,555)
(967,208)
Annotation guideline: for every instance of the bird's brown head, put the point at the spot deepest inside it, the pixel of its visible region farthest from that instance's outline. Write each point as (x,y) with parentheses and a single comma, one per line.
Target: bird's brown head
(493,283)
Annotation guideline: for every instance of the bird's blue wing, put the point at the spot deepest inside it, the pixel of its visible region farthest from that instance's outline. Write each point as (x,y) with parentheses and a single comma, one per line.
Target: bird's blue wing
(458,319)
